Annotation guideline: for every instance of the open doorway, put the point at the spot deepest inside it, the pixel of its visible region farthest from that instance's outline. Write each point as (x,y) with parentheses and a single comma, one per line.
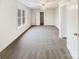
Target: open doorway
(41,18)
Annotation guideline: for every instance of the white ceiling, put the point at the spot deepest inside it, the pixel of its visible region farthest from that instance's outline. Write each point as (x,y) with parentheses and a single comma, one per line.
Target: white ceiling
(34,4)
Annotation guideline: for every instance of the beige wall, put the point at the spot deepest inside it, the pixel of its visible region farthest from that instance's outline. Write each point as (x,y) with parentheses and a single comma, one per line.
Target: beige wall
(9,30)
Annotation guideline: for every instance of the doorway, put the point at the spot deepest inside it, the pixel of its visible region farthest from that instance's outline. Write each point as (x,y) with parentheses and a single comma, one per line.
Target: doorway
(41,18)
(69,27)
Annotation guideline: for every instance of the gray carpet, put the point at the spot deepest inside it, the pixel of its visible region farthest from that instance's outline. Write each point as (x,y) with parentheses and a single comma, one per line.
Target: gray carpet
(40,42)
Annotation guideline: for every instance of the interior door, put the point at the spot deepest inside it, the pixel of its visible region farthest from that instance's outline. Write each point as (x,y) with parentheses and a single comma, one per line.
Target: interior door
(72,29)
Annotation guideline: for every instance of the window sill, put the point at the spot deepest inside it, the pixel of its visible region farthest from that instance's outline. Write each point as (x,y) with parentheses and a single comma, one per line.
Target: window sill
(19,27)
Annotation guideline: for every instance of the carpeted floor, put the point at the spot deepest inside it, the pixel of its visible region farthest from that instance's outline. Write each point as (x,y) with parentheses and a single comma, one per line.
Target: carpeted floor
(40,42)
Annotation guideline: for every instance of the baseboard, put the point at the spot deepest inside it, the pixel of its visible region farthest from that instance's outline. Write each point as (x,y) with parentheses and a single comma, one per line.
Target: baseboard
(14,40)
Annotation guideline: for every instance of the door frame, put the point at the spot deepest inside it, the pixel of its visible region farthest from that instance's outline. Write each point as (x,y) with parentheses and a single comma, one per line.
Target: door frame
(41,18)
(62,4)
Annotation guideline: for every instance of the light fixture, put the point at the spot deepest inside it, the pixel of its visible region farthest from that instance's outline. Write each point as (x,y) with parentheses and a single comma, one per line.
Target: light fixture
(43,7)
(43,4)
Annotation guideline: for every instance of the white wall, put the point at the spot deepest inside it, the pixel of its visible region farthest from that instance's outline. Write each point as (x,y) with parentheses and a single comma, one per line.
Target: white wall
(72,27)
(57,16)
(8,21)
(51,17)
(78,27)
(69,25)
(63,21)
(35,16)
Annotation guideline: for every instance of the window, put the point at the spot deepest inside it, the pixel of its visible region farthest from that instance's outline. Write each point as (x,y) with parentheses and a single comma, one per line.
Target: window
(23,17)
(19,17)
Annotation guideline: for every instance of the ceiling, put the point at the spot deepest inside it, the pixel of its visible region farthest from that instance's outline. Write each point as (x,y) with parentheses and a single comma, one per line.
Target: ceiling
(35,4)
